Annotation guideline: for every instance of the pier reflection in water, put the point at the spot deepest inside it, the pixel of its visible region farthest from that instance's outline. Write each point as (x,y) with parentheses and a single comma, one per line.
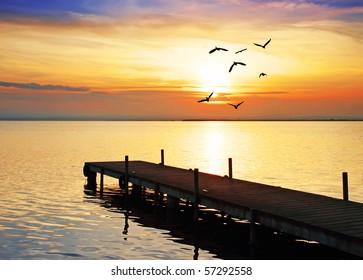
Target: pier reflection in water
(221,235)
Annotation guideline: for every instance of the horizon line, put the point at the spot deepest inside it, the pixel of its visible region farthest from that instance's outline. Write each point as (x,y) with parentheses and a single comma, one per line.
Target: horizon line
(178,119)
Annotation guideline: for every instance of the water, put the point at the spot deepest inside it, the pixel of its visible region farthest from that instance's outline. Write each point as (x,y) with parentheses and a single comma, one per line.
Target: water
(45,214)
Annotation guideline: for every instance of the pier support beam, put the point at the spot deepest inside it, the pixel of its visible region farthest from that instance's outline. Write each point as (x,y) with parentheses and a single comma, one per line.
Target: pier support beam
(101,182)
(136,192)
(172,202)
(91,178)
(230,175)
(157,196)
(162,157)
(196,195)
(196,213)
(126,181)
(345,186)
(252,233)
(92,181)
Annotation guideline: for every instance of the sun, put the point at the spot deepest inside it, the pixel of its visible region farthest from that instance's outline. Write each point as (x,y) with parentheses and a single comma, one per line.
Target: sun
(212,77)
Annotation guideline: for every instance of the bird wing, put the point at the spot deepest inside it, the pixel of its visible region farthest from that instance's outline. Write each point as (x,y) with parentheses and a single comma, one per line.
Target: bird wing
(241,63)
(241,50)
(212,51)
(211,94)
(258,45)
(230,104)
(267,43)
(239,103)
(222,49)
(203,100)
(260,75)
(230,68)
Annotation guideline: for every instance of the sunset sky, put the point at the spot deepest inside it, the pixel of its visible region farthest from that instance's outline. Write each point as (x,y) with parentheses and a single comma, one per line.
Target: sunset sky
(149,59)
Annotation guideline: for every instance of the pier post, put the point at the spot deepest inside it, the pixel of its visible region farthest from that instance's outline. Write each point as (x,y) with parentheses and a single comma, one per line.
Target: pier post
(101,181)
(172,202)
(156,196)
(91,178)
(230,168)
(345,186)
(136,192)
(172,207)
(196,195)
(162,156)
(252,233)
(196,213)
(126,180)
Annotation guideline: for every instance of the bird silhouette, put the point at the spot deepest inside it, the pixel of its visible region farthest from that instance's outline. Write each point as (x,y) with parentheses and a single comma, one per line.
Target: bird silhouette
(263,46)
(217,49)
(262,74)
(234,64)
(206,99)
(236,106)
(241,50)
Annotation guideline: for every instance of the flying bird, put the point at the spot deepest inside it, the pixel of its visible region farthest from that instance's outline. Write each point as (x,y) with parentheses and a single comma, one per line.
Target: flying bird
(262,74)
(236,106)
(263,46)
(234,64)
(206,98)
(241,50)
(217,49)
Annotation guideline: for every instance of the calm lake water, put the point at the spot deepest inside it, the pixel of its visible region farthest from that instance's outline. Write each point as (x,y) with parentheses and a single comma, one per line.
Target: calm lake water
(45,214)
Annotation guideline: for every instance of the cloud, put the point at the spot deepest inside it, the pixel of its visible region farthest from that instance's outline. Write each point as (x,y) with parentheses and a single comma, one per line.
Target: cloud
(266,92)
(36,86)
(111,15)
(339,3)
(330,3)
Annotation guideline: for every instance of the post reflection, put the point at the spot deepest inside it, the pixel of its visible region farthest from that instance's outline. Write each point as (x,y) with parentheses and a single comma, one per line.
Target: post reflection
(196,245)
(126,226)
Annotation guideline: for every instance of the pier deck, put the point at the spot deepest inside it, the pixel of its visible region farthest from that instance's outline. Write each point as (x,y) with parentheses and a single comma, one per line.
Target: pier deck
(329,221)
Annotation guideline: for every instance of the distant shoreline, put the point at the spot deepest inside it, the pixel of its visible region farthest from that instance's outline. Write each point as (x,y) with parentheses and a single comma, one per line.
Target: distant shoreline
(188,120)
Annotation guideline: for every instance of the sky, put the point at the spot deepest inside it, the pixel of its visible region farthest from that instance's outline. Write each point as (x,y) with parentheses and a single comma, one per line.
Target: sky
(149,59)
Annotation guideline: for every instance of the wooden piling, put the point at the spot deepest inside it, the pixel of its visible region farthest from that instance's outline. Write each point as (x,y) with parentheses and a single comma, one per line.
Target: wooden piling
(91,178)
(172,202)
(156,196)
(92,181)
(162,157)
(101,181)
(252,234)
(196,213)
(230,168)
(196,194)
(345,186)
(252,227)
(126,180)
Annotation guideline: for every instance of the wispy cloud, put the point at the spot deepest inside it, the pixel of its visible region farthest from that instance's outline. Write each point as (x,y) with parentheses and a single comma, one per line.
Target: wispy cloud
(266,92)
(36,86)
(113,16)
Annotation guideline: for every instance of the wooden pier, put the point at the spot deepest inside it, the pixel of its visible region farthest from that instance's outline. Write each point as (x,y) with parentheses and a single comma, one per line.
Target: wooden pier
(332,222)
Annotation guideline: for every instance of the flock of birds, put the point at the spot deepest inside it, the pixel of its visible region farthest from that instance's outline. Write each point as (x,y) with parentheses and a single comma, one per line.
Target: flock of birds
(235,63)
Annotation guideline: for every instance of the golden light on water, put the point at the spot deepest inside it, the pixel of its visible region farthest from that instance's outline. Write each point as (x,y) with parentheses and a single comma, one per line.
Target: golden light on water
(215,142)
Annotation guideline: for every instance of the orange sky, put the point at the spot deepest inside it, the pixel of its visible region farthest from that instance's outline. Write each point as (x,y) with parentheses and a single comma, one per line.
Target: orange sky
(150,60)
